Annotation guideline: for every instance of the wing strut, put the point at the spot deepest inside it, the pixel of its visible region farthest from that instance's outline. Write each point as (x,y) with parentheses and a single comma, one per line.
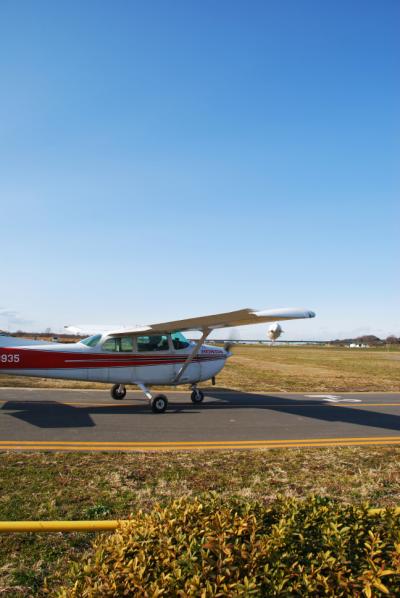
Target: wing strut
(196,349)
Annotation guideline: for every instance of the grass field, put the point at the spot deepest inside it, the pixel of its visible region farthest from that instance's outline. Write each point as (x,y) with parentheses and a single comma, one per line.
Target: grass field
(286,368)
(310,368)
(71,486)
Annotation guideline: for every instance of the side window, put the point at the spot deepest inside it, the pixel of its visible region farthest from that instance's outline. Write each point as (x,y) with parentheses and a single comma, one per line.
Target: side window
(179,341)
(118,344)
(111,344)
(157,342)
(126,343)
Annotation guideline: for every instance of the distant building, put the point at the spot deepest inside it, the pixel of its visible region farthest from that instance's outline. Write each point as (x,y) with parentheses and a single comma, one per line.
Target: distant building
(358,346)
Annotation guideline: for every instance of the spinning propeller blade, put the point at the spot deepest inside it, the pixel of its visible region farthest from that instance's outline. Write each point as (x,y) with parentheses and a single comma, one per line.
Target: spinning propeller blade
(233,337)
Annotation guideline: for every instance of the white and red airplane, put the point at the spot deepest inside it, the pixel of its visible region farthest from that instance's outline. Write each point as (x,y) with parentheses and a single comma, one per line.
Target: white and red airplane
(158,354)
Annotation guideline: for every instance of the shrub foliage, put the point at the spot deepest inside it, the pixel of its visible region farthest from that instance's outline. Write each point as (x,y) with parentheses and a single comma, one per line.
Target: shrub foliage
(203,548)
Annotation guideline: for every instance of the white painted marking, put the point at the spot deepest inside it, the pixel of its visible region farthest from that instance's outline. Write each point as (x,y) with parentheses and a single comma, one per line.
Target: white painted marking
(333,398)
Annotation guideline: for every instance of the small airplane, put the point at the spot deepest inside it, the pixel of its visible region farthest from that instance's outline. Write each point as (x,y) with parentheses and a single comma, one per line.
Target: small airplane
(158,354)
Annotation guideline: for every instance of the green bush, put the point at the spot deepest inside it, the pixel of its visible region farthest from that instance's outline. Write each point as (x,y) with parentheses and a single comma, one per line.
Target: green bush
(204,548)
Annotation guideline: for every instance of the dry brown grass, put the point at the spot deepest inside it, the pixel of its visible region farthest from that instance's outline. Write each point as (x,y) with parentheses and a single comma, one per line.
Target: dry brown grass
(110,485)
(315,369)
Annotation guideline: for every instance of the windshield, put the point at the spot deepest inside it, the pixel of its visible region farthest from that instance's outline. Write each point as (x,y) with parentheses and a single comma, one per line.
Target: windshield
(179,341)
(91,341)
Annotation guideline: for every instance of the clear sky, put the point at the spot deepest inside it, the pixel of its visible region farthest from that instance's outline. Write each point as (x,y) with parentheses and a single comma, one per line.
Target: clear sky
(171,158)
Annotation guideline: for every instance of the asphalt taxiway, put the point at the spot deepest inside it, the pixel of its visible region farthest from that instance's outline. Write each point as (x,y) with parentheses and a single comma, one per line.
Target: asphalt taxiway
(89,420)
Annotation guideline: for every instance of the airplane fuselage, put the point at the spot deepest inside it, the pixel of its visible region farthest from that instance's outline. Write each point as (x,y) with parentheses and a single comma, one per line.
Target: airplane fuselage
(75,361)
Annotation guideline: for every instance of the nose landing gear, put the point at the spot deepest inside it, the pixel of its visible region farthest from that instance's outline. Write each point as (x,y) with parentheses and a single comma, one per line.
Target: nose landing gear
(197,395)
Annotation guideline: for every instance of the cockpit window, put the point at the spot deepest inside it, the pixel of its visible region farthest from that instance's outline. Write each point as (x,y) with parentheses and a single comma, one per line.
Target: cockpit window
(179,341)
(156,342)
(123,344)
(111,344)
(126,343)
(91,341)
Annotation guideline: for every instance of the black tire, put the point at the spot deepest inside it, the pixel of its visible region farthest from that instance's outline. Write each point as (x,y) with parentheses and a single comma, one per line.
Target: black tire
(197,396)
(116,392)
(159,403)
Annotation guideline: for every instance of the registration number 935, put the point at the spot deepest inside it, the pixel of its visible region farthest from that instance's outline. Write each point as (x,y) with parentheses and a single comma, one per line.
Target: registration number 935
(9,358)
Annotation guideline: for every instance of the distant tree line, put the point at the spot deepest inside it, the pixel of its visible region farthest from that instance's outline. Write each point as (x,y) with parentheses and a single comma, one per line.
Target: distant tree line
(369,339)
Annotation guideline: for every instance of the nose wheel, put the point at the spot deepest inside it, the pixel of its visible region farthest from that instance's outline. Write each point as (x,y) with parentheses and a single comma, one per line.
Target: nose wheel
(118,392)
(197,396)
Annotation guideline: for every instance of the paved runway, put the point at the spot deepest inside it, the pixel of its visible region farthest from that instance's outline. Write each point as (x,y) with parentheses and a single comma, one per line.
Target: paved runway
(51,419)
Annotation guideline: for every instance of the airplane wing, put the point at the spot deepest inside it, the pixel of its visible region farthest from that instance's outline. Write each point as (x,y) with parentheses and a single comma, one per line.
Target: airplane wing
(241,317)
(90,329)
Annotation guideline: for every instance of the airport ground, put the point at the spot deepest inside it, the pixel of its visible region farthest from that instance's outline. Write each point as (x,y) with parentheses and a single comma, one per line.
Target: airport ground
(108,485)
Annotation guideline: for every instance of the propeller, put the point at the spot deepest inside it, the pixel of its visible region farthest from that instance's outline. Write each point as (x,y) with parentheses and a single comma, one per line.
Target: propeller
(274,331)
(233,337)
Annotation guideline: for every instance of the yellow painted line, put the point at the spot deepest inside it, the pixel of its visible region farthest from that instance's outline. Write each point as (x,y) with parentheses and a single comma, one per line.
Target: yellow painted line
(196,442)
(141,447)
(195,448)
(201,445)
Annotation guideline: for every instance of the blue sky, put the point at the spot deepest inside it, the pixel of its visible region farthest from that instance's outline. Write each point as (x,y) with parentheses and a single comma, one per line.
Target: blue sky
(171,158)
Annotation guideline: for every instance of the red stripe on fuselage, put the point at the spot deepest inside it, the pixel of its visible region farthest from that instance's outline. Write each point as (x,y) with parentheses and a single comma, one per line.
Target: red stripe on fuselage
(27,359)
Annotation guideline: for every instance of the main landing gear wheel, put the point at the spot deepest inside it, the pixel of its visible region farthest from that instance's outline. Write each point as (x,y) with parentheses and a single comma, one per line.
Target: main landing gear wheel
(197,396)
(159,403)
(118,392)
